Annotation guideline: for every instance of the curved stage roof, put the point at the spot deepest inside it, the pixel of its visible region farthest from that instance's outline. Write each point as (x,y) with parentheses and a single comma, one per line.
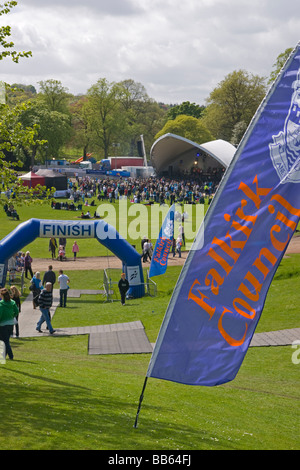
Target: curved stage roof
(173,153)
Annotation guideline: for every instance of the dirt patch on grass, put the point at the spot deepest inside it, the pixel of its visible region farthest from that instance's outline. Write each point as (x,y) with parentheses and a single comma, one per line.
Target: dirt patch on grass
(103,262)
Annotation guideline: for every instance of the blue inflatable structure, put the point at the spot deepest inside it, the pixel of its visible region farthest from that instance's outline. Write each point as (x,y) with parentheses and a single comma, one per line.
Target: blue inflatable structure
(107,235)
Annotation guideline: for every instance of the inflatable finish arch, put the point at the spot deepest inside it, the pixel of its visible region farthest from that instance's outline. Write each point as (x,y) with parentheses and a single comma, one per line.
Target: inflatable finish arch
(28,231)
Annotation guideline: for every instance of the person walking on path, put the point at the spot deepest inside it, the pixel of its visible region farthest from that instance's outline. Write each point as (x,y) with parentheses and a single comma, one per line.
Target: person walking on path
(8,312)
(45,303)
(75,250)
(37,286)
(181,233)
(123,287)
(15,295)
(146,251)
(27,264)
(174,247)
(178,246)
(53,247)
(63,288)
(49,276)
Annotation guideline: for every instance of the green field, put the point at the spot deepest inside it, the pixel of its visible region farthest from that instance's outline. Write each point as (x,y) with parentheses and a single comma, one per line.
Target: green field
(54,396)
(140,220)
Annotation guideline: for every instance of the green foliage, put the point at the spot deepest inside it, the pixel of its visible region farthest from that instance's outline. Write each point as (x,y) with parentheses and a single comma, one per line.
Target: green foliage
(5,33)
(188,127)
(12,134)
(15,138)
(280,61)
(13,192)
(104,102)
(186,108)
(111,118)
(141,116)
(52,127)
(54,95)
(234,101)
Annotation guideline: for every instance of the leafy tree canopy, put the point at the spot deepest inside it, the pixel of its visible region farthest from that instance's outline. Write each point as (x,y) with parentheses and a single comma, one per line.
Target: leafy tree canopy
(186,108)
(13,135)
(5,33)
(187,127)
(234,100)
(280,61)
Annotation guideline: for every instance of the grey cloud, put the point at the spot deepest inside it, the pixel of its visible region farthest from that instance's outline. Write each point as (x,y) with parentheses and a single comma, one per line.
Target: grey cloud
(178,50)
(112,7)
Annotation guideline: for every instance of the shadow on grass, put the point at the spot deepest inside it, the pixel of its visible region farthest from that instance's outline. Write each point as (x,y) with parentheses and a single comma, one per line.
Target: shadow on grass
(46,413)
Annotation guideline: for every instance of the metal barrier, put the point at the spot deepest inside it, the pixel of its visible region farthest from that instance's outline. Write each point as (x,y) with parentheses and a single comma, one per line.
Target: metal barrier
(16,278)
(151,287)
(111,277)
(111,292)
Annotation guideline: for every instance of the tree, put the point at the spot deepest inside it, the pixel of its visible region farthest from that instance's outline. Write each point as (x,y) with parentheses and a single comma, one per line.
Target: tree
(81,123)
(55,119)
(18,93)
(188,127)
(104,104)
(53,128)
(280,61)
(186,108)
(235,100)
(5,32)
(238,132)
(13,136)
(153,118)
(54,95)
(141,116)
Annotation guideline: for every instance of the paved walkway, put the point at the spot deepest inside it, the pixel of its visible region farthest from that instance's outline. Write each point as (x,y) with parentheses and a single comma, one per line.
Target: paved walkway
(29,316)
(119,338)
(123,337)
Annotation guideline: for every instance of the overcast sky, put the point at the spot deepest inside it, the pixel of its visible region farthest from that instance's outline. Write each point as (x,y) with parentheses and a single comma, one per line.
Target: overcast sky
(179,50)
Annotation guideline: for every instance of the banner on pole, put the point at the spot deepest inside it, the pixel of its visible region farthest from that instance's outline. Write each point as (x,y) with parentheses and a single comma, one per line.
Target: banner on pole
(220,294)
(159,260)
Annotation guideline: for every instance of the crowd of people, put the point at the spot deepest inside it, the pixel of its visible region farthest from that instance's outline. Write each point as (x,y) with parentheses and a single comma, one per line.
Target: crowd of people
(187,188)
(22,261)
(42,298)
(38,285)
(191,188)
(60,247)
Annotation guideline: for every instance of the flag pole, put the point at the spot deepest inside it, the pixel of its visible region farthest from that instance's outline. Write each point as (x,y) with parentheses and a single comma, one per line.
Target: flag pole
(140,403)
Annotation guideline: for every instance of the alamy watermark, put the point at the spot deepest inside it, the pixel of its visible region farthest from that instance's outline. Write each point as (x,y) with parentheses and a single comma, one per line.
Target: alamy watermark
(136,221)
(2,93)
(296,354)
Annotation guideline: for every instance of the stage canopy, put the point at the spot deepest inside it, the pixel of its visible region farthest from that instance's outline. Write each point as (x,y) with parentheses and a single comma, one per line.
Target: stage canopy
(172,153)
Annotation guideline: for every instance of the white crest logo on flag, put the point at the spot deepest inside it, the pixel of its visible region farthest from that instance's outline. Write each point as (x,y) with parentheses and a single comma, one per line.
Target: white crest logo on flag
(169,228)
(285,150)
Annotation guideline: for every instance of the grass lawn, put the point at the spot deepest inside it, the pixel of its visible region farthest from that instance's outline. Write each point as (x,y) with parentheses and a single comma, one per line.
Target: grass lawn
(139,224)
(54,396)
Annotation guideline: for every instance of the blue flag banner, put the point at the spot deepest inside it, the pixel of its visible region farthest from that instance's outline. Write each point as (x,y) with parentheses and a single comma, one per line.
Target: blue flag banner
(220,294)
(159,260)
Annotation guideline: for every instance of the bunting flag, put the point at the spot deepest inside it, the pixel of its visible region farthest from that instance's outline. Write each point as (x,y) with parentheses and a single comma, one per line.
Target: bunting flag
(220,294)
(159,260)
